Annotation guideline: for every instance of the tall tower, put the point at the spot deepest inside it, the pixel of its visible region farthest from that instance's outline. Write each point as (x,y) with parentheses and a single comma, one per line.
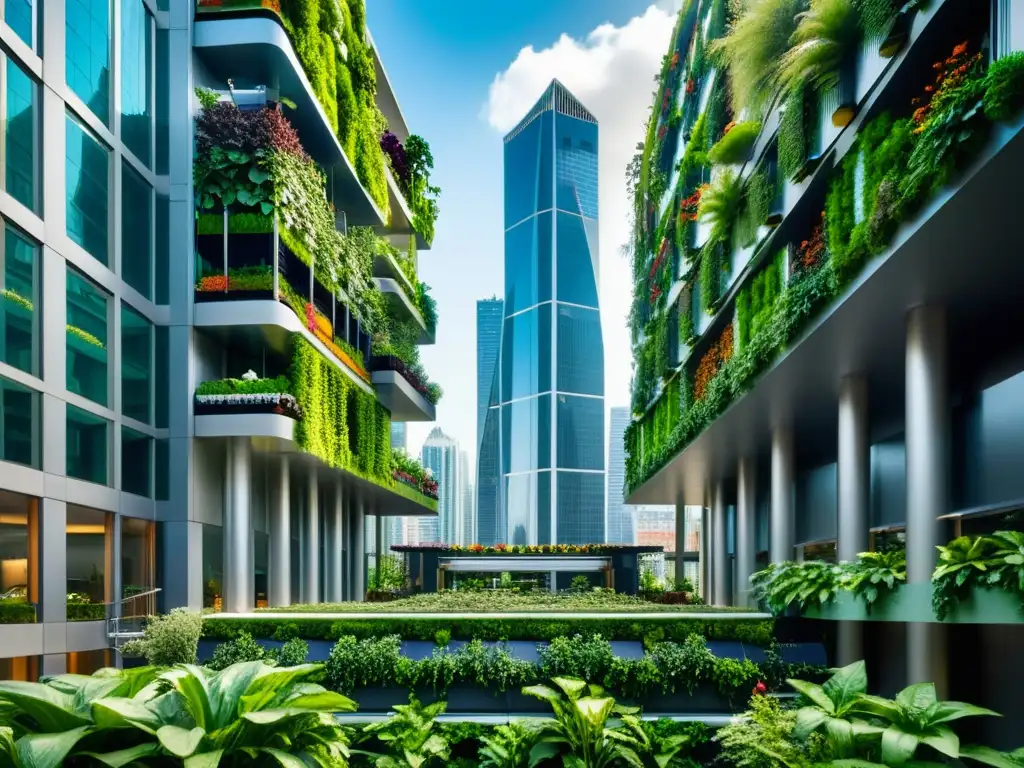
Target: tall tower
(467,520)
(621,520)
(441,457)
(551,373)
(490,528)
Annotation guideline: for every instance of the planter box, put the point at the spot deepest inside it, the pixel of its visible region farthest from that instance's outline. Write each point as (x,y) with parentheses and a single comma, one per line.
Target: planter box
(913,603)
(704,700)
(215,409)
(204,296)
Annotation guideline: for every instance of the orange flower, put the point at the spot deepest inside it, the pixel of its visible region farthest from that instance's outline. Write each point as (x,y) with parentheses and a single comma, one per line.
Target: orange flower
(711,363)
(213,283)
(961,49)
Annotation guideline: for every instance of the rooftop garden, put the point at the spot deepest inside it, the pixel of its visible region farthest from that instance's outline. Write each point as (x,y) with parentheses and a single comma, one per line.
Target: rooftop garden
(329,37)
(724,202)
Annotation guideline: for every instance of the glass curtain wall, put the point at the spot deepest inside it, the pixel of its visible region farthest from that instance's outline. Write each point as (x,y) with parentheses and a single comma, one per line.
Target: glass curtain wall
(89,555)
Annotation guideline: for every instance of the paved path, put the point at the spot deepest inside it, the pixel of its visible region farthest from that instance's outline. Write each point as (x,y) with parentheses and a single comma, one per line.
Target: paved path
(367,615)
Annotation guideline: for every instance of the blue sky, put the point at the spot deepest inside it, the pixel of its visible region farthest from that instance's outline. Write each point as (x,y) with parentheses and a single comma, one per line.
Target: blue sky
(462,78)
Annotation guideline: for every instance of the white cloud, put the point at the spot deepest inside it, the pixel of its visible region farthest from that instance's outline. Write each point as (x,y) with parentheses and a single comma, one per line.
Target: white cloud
(612,73)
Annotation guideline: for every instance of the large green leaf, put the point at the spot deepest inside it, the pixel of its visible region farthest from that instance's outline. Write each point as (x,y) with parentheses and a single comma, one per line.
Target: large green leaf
(542,692)
(190,681)
(543,750)
(944,741)
(877,707)
(121,713)
(595,711)
(178,741)
(228,689)
(283,758)
(988,756)
(898,746)
(948,711)
(124,757)
(50,708)
(840,735)
(48,750)
(573,687)
(815,693)
(915,699)
(205,759)
(846,685)
(808,720)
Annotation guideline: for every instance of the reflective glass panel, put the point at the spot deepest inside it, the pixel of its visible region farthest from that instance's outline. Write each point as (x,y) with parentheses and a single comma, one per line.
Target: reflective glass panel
(87,339)
(580,351)
(526,434)
(580,507)
(87,532)
(20,132)
(88,440)
(87,171)
(528,169)
(526,354)
(136,76)
(87,53)
(528,264)
(577,260)
(580,432)
(20,309)
(136,365)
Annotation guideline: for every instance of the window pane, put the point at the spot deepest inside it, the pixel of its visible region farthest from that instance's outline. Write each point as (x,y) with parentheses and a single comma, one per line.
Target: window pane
(19,15)
(526,354)
(136,365)
(19,302)
(528,171)
(576,166)
(577,260)
(526,434)
(528,264)
(213,566)
(138,561)
(87,178)
(580,351)
(136,74)
(580,432)
(87,451)
(136,472)
(136,243)
(87,52)
(87,531)
(580,507)
(86,339)
(20,136)
(19,427)
(17,558)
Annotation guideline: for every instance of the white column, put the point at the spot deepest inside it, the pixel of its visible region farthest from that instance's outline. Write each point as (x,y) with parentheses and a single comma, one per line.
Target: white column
(928,467)
(359,550)
(680,536)
(781,535)
(333,529)
(705,554)
(746,547)
(378,544)
(279,583)
(311,542)
(853,494)
(236,594)
(719,547)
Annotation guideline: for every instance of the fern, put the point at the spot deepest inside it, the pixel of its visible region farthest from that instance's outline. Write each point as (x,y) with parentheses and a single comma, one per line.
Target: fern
(827,32)
(720,204)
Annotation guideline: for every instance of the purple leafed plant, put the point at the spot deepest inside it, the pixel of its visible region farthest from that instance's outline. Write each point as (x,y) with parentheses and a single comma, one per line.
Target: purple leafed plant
(393,148)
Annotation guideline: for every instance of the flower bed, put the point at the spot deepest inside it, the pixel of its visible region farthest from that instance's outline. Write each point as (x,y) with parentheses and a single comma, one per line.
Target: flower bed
(247,395)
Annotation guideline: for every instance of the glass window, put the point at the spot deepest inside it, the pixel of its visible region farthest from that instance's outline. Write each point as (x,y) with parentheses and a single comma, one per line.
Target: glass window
(580,351)
(577,260)
(528,501)
(580,432)
(87,446)
(88,662)
(19,302)
(87,53)
(21,136)
(20,16)
(526,354)
(528,264)
(213,566)
(136,223)
(87,176)
(19,424)
(528,180)
(87,352)
(136,79)
(526,434)
(136,365)
(580,507)
(138,571)
(23,668)
(136,463)
(19,538)
(576,166)
(87,532)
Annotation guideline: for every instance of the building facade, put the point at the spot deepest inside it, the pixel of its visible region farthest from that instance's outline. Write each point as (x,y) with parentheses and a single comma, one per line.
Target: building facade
(620,520)
(817,375)
(138,455)
(490,525)
(550,379)
(467,512)
(442,456)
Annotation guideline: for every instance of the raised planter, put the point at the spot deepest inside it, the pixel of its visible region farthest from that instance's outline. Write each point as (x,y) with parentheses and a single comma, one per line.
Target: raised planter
(282,404)
(912,603)
(392,363)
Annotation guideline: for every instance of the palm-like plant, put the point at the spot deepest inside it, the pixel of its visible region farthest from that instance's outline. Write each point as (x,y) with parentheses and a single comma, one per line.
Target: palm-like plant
(580,730)
(410,737)
(721,203)
(828,31)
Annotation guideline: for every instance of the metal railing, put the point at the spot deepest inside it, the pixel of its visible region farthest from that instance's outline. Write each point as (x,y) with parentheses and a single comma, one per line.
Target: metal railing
(121,625)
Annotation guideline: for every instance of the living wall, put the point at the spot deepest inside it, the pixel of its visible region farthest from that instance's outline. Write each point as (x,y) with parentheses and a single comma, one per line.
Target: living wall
(898,162)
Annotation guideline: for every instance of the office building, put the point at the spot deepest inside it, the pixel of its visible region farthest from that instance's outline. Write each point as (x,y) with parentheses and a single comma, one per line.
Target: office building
(134,454)
(440,455)
(832,373)
(490,524)
(550,378)
(620,519)
(467,513)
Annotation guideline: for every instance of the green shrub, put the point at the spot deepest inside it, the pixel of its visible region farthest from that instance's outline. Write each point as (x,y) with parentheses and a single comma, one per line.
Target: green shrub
(170,639)
(1004,87)
(293,653)
(242,648)
(734,148)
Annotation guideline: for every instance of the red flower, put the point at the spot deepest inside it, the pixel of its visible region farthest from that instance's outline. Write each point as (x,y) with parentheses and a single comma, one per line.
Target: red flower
(310,316)
(691,85)
(760,689)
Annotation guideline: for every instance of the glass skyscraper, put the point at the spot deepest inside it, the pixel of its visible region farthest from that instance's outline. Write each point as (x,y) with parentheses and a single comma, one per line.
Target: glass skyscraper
(490,528)
(550,381)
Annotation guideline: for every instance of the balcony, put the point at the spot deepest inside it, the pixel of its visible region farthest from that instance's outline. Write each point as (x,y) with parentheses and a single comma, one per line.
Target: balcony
(401,305)
(256,51)
(401,226)
(400,391)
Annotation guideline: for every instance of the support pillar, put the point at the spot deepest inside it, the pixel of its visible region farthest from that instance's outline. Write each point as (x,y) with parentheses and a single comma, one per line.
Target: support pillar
(279,583)
(680,571)
(853,494)
(719,547)
(359,550)
(746,547)
(378,545)
(334,546)
(237,595)
(928,469)
(311,542)
(705,554)
(782,536)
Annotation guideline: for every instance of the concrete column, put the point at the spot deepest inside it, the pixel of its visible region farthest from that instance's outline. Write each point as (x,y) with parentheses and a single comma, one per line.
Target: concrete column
(279,583)
(378,545)
(719,547)
(311,541)
(746,547)
(52,570)
(928,467)
(236,592)
(680,536)
(853,494)
(705,554)
(782,534)
(359,550)
(333,548)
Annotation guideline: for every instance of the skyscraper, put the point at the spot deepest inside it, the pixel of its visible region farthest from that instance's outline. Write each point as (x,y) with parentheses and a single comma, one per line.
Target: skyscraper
(489,525)
(398,435)
(550,380)
(441,456)
(467,520)
(621,519)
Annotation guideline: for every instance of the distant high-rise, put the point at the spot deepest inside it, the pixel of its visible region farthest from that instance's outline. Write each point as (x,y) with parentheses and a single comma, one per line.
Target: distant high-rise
(441,456)
(398,435)
(550,380)
(621,519)
(489,524)
(467,520)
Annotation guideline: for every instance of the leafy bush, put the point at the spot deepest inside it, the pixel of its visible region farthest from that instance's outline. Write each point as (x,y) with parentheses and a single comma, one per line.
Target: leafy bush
(411,737)
(242,648)
(734,148)
(1004,87)
(720,205)
(978,562)
(279,384)
(170,639)
(829,31)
